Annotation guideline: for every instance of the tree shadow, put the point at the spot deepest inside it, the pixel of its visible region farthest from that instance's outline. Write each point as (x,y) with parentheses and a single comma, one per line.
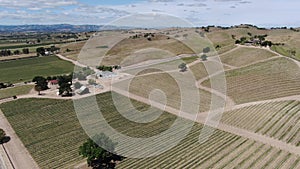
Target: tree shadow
(5,139)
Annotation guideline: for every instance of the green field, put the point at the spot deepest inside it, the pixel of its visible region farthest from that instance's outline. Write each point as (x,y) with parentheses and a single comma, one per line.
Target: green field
(15,91)
(26,69)
(52,134)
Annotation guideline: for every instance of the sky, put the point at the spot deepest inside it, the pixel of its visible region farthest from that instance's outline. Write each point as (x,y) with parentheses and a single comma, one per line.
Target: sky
(264,13)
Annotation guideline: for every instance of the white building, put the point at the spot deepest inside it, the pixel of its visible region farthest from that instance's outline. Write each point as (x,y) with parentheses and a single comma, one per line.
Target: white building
(106,74)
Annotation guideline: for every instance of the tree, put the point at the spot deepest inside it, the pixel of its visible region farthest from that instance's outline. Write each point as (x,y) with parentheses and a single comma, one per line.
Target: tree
(41,51)
(65,83)
(25,51)
(266,43)
(92,82)
(105,68)
(77,85)
(49,78)
(117,67)
(54,49)
(65,89)
(243,39)
(204,57)
(99,152)
(182,67)
(293,52)
(80,76)
(17,52)
(3,137)
(206,50)
(38,89)
(41,82)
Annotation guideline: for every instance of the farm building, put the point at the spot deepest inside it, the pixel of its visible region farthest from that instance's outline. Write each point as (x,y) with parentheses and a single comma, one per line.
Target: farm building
(83,90)
(53,82)
(106,74)
(98,86)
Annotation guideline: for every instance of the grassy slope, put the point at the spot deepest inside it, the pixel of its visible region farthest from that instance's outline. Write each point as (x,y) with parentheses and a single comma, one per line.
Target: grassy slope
(24,70)
(169,84)
(51,132)
(221,38)
(245,56)
(19,90)
(128,46)
(74,48)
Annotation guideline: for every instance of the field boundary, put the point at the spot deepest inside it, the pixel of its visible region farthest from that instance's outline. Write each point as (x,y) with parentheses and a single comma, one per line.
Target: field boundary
(16,150)
(201,118)
(9,60)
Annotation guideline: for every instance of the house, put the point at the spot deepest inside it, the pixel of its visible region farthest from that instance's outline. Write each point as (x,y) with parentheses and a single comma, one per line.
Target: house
(98,86)
(83,90)
(53,82)
(106,74)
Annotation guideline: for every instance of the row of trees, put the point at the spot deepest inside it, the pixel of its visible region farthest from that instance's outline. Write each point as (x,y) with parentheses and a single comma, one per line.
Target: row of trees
(7,52)
(64,82)
(42,51)
(183,67)
(254,40)
(108,68)
(5,85)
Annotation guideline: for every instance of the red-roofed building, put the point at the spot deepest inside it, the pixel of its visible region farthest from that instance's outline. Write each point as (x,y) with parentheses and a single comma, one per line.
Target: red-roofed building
(53,82)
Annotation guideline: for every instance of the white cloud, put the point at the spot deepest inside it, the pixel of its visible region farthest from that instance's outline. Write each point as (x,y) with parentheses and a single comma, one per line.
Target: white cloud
(161,0)
(34,4)
(202,12)
(227,0)
(196,5)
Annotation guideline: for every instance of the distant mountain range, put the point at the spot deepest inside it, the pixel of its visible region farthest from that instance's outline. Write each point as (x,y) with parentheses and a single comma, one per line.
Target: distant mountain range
(82,28)
(51,28)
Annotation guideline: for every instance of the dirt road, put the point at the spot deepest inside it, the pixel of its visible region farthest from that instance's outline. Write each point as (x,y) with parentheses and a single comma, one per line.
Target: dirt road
(21,158)
(16,151)
(201,118)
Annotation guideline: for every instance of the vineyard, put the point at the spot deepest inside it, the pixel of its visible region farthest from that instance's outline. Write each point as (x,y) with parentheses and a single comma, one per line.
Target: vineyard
(244,56)
(222,150)
(49,130)
(267,80)
(170,86)
(52,134)
(280,120)
(199,71)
